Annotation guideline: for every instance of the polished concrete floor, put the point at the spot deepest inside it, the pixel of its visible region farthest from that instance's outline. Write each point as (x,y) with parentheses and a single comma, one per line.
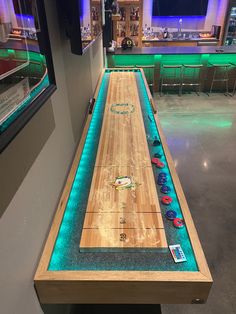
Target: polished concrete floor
(201,135)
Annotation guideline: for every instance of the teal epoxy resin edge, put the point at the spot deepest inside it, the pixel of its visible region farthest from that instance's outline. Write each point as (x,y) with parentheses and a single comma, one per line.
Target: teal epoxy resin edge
(67,255)
(85,169)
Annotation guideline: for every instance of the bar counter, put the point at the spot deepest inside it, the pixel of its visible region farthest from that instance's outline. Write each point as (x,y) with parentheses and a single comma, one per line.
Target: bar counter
(179,42)
(156,57)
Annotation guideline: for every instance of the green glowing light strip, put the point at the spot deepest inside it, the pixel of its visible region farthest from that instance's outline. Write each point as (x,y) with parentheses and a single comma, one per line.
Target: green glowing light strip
(84,170)
(160,59)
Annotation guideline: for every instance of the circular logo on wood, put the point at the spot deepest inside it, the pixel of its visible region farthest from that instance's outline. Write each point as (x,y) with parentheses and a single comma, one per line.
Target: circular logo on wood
(124,183)
(122,108)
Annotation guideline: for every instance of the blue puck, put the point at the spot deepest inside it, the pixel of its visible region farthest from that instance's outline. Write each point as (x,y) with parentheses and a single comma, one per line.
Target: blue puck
(162,174)
(171,214)
(161,181)
(162,178)
(165,189)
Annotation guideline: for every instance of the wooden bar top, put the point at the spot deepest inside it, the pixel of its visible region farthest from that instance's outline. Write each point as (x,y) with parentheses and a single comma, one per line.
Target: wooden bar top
(175,50)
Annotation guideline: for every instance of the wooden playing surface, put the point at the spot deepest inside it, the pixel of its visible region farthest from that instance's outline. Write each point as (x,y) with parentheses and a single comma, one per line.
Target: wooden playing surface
(129,217)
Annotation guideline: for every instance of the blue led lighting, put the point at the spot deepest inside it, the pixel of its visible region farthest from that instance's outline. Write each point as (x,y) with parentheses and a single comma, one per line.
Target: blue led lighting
(178,16)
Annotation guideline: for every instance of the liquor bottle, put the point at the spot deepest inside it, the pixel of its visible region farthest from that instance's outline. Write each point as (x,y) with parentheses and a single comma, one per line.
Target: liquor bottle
(165,33)
(132,15)
(137,14)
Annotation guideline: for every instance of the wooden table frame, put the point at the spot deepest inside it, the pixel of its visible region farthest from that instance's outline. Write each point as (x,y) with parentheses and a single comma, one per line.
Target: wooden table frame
(123,287)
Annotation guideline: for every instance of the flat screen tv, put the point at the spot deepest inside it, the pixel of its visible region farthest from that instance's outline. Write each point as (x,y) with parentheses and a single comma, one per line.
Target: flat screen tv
(179,7)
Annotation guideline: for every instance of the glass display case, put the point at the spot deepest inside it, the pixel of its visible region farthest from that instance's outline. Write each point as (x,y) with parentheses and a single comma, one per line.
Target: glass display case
(128,22)
(230,37)
(96,18)
(90,21)
(26,69)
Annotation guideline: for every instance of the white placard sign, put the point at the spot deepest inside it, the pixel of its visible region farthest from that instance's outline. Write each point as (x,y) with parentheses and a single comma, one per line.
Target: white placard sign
(11,99)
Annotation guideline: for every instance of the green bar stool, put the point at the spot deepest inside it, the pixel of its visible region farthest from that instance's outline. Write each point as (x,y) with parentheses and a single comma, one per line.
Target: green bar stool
(171,75)
(220,74)
(149,74)
(191,76)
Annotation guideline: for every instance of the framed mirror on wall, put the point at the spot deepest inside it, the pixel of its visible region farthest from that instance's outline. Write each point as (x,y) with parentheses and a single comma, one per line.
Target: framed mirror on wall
(27,77)
(82,22)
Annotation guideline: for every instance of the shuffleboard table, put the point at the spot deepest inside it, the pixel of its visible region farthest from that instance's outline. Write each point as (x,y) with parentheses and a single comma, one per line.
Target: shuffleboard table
(123,232)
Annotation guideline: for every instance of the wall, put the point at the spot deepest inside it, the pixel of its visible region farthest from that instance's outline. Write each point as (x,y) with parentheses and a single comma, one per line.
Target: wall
(189,24)
(81,69)
(33,169)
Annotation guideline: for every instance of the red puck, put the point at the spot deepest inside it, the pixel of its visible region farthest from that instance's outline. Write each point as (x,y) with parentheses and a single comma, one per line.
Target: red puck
(166,200)
(155,160)
(178,223)
(160,165)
